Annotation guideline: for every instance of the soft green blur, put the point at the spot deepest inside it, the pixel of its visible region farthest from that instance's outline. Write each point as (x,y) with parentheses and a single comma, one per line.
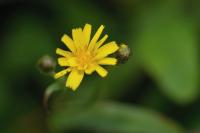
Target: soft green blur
(156,91)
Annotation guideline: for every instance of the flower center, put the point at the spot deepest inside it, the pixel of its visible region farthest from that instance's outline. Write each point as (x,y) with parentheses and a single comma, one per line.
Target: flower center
(84,59)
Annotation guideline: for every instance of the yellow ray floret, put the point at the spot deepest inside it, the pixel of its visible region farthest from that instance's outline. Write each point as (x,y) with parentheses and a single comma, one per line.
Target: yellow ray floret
(84,56)
(74,79)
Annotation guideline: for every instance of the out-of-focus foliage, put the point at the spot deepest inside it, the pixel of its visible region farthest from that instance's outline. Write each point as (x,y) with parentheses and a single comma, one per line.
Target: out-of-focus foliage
(160,81)
(167,45)
(112,117)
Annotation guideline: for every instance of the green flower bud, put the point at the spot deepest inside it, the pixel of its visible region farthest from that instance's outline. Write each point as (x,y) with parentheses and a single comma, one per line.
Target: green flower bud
(123,53)
(46,64)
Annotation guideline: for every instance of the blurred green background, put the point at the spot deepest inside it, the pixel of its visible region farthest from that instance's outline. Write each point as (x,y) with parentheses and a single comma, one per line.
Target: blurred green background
(156,91)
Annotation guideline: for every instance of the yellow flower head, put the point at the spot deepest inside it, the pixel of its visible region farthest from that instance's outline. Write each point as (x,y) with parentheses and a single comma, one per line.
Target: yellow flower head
(85,55)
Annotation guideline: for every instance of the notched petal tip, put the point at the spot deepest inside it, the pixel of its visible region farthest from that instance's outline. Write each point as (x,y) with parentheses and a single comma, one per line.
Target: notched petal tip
(103,76)
(62,61)
(102,26)
(89,71)
(114,62)
(59,51)
(60,74)
(71,88)
(56,76)
(108,61)
(68,42)
(95,37)
(63,37)
(101,71)
(106,50)
(87,24)
(74,79)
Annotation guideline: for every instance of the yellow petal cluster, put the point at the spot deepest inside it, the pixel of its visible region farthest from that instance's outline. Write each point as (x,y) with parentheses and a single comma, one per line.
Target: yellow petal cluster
(85,55)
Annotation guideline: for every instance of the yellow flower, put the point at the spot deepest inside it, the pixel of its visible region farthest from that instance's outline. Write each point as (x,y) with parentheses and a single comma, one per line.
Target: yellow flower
(85,55)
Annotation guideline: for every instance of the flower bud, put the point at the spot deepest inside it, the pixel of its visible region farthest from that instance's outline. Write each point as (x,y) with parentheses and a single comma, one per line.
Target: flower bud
(46,64)
(123,53)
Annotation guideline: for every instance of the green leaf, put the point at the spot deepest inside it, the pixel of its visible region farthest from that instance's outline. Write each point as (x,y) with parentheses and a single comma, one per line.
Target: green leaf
(167,49)
(112,117)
